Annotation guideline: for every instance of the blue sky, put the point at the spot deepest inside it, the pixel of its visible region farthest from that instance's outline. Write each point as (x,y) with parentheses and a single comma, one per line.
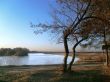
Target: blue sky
(15,30)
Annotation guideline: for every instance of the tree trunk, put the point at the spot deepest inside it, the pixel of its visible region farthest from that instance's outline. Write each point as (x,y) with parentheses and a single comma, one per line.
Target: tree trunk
(74,54)
(66,54)
(106,49)
(107,58)
(73,58)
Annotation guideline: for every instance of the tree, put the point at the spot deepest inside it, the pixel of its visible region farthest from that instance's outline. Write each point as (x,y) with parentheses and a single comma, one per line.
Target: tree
(90,12)
(92,17)
(68,22)
(101,10)
(20,51)
(15,51)
(66,19)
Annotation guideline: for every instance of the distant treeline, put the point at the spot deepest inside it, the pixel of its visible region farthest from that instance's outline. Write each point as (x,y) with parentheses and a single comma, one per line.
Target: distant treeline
(14,52)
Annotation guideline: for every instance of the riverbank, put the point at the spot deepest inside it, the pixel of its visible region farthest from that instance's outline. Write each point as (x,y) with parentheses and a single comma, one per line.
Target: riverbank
(81,73)
(90,68)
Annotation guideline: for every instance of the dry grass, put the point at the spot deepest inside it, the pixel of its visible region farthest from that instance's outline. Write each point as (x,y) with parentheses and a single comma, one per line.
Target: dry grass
(83,71)
(79,74)
(91,58)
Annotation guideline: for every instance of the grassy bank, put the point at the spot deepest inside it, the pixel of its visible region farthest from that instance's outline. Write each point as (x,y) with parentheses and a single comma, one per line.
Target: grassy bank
(90,68)
(97,73)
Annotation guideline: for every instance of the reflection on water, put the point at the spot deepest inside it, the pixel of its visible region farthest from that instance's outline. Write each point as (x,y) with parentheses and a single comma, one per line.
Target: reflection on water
(33,59)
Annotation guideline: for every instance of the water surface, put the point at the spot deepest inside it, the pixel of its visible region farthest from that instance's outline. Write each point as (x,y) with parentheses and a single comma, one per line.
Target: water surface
(33,59)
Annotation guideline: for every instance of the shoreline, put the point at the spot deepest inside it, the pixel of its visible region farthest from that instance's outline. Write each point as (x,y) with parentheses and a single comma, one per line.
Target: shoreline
(53,73)
(64,52)
(44,66)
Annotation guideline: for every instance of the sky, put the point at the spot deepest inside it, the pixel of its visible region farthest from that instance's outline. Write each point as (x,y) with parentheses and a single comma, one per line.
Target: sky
(15,30)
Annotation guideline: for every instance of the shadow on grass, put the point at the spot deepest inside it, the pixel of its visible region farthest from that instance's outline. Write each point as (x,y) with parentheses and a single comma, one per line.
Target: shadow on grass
(2,81)
(58,76)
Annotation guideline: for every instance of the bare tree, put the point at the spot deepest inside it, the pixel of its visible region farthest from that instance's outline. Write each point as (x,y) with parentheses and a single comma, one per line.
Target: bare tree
(91,17)
(64,17)
(68,20)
